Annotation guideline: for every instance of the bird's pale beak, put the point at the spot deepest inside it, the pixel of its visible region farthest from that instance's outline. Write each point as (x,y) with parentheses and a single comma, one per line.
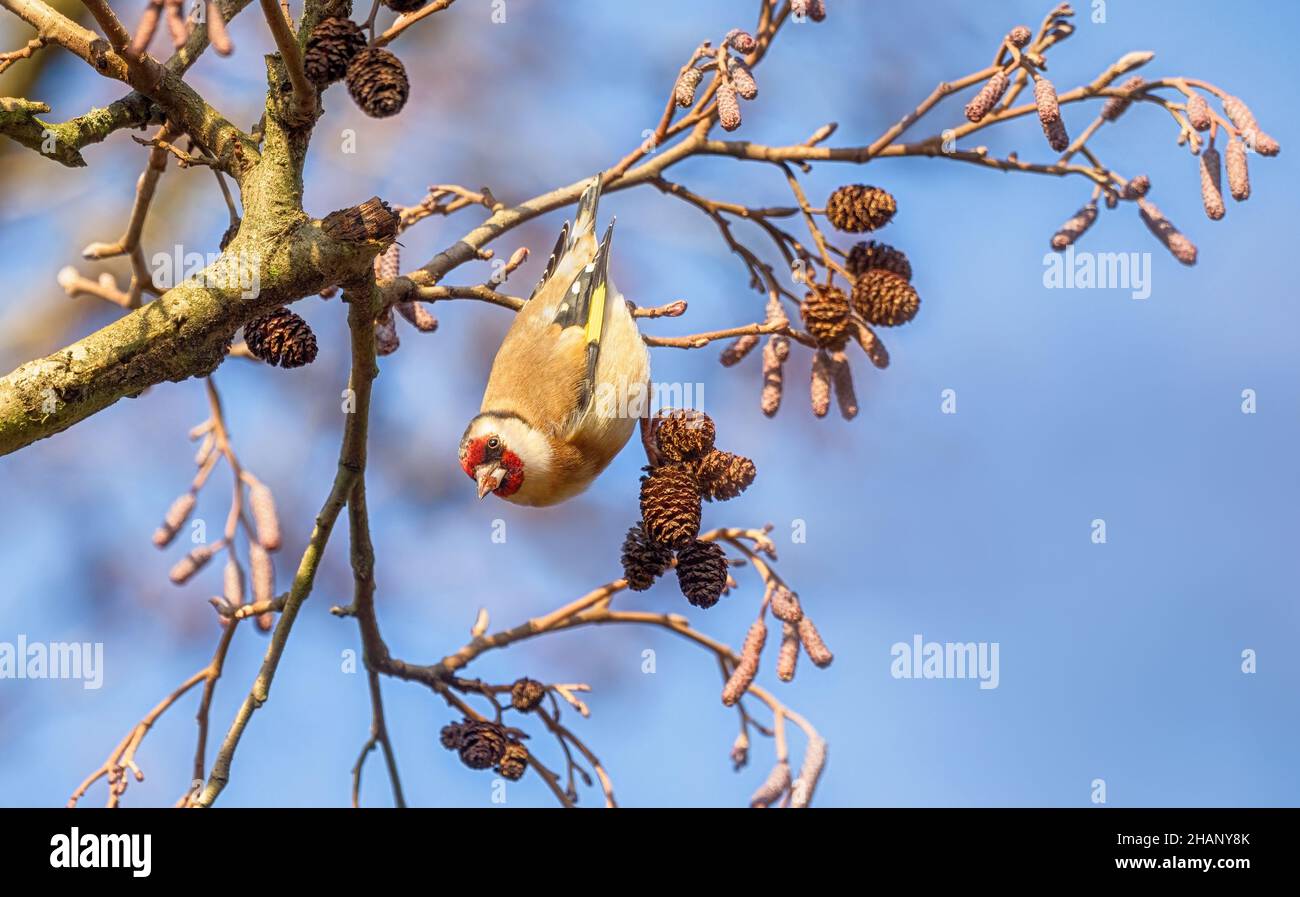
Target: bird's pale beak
(489,477)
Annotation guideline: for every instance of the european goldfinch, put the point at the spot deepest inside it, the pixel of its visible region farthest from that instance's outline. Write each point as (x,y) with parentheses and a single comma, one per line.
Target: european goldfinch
(569,382)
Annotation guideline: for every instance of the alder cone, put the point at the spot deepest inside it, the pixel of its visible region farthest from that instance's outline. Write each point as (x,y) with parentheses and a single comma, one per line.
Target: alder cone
(874,254)
(723,476)
(825,312)
(281,338)
(514,762)
(331,46)
(377,82)
(482,744)
(702,573)
(855,208)
(643,560)
(670,506)
(525,694)
(683,436)
(882,297)
(405,5)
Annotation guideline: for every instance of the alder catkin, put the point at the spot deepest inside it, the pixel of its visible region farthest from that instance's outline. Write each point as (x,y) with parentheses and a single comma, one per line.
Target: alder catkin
(788,657)
(1019,36)
(687,81)
(1238,173)
(775,352)
(785,605)
(1138,187)
(267,523)
(1075,228)
(728,107)
(984,101)
(741,40)
(842,379)
(263,572)
(814,761)
(192,563)
(820,388)
(871,344)
(1178,245)
(742,346)
(1198,112)
(174,519)
(743,675)
(1211,184)
(812,642)
(742,79)
(1114,107)
(1244,120)
(1049,108)
(233,585)
(773,787)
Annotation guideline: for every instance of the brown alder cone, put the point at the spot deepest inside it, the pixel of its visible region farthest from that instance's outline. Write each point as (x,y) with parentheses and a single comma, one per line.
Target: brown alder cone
(482,744)
(1198,112)
(1211,184)
(723,476)
(812,642)
(984,101)
(1075,228)
(174,519)
(330,47)
(192,563)
(1114,107)
(1178,245)
(820,387)
(869,254)
(684,91)
(670,506)
(788,656)
(728,107)
(643,561)
(684,435)
(281,338)
(702,573)
(855,208)
(1238,173)
(452,734)
(377,82)
(774,786)
(526,694)
(736,351)
(775,351)
(785,605)
(825,312)
(405,6)
(743,675)
(842,379)
(514,762)
(882,297)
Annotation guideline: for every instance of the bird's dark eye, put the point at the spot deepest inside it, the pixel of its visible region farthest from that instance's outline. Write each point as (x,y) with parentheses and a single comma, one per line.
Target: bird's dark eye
(493,442)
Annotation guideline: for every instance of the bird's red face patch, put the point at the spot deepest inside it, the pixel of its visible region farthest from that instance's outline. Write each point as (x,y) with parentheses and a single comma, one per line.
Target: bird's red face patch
(489,449)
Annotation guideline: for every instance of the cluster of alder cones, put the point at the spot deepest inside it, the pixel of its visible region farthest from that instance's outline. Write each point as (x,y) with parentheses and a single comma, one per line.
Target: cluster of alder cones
(337,49)
(881,295)
(490,745)
(685,469)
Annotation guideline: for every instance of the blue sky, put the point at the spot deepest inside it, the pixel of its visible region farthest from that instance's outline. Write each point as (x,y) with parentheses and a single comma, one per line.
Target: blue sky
(1119,661)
